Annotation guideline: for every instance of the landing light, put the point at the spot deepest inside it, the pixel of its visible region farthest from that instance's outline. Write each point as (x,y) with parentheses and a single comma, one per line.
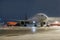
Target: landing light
(56,22)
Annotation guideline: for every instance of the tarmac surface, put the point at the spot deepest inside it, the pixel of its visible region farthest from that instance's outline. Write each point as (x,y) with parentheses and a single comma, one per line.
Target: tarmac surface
(42,33)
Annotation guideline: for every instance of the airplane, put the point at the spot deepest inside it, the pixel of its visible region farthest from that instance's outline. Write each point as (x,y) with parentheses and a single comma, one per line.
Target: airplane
(37,18)
(41,19)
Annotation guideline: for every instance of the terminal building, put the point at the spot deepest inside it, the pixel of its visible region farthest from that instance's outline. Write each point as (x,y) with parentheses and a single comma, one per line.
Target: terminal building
(54,21)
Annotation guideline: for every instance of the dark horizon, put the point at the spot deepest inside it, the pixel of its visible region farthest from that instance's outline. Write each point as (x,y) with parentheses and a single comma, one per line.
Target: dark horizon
(18,9)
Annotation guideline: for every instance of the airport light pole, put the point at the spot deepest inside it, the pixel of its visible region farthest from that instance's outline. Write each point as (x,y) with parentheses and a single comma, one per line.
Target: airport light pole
(26,16)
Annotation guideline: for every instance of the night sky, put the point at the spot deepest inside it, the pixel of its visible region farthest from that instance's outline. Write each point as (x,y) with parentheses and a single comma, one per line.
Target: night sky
(18,9)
